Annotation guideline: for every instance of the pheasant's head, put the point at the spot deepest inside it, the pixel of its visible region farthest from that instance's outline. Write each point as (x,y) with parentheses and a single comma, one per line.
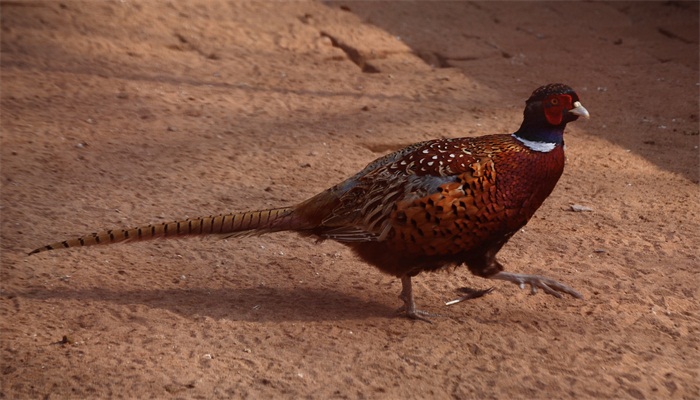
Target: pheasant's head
(547,112)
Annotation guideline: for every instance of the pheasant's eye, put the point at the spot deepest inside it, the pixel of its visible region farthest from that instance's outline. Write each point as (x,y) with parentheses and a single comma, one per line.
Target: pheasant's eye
(554,101)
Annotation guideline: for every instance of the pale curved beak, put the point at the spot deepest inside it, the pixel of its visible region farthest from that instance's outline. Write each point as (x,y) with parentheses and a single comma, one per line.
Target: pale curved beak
(580,110)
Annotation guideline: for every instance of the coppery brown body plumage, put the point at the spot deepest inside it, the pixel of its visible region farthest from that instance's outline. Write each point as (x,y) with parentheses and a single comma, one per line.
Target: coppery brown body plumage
(431,205)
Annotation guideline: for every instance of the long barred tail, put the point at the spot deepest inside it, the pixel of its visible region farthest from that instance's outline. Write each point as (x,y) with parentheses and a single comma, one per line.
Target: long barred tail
(276,219)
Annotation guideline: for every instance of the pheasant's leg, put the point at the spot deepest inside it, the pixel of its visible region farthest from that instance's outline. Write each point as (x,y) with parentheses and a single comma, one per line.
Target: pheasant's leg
(409,304)
(470,294)
(550,286)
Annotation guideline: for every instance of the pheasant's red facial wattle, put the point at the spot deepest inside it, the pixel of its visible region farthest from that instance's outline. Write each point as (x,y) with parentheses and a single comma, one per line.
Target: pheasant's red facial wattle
(555,106)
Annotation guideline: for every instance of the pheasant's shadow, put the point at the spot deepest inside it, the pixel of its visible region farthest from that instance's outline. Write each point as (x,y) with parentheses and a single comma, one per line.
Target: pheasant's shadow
(258,304)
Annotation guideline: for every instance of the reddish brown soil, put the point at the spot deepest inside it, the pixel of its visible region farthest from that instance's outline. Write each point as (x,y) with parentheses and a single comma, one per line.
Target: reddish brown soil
(126,112)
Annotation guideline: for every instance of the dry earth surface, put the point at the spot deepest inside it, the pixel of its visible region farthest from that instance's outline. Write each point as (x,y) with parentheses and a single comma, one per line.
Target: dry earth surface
(117,113)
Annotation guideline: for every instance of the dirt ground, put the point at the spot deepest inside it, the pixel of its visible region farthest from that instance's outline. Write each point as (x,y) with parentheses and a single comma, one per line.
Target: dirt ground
(118,113)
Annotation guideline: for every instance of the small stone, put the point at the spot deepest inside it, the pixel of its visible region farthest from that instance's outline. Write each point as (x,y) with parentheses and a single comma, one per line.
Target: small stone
(580,208)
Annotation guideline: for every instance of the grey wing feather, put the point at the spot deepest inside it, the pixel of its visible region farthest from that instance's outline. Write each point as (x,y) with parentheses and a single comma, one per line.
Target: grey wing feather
(364,211)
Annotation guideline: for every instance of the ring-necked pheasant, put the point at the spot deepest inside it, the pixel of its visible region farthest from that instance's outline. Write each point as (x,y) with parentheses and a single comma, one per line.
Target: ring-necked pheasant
(431,205)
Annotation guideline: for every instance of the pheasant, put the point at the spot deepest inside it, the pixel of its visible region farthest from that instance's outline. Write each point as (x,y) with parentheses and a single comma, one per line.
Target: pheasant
(432,205)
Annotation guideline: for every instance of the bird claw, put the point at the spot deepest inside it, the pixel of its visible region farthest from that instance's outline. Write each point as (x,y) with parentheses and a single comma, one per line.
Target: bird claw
(549,286)
(470,294)
(418,315)
(409,305)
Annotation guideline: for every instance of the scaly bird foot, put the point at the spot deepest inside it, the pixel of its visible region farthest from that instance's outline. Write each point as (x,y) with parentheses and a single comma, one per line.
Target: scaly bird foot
(409,305)
(470,294)
(550,286)
(419,315)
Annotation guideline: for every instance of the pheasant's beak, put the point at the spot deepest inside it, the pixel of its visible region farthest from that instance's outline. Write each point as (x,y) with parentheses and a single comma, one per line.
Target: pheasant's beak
(580,110)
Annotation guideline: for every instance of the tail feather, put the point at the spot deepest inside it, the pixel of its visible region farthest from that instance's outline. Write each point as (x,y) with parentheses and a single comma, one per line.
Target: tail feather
(251,222)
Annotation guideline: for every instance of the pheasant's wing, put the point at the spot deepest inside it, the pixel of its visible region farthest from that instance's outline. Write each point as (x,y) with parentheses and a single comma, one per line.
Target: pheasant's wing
(363,212)
(366,208)
(464,213)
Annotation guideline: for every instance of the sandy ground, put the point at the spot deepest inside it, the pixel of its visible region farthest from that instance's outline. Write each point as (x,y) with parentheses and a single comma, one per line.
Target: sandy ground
(119,113)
